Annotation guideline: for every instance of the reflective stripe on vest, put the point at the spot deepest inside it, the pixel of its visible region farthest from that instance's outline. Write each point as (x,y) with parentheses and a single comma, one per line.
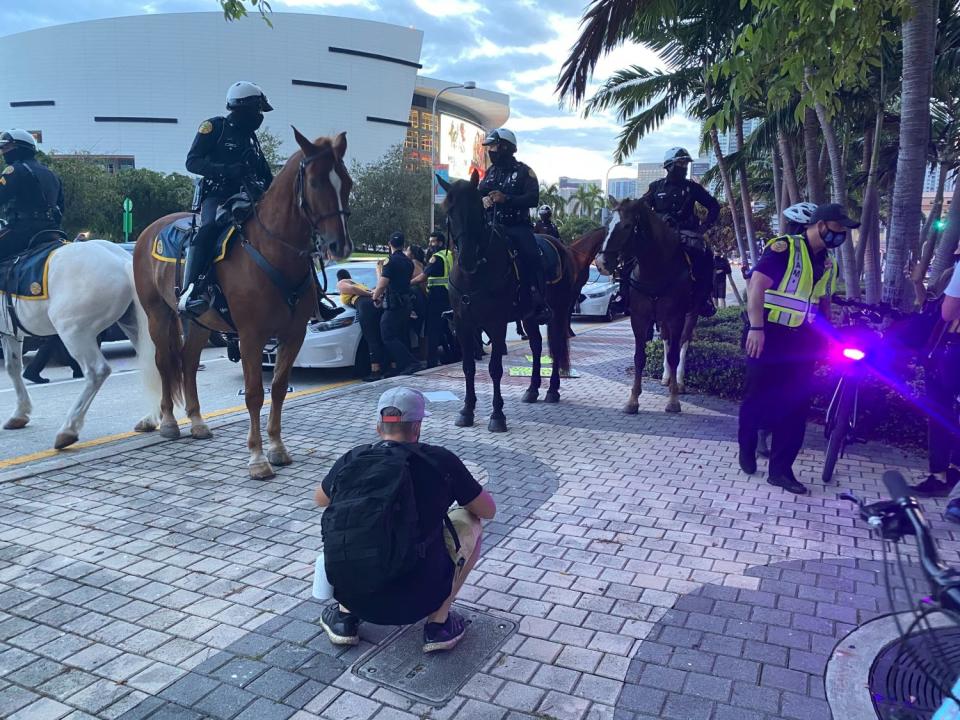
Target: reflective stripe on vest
(444,280)
(796,299)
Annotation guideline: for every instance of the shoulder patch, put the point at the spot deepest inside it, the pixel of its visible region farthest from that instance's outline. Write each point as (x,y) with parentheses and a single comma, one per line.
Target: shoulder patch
(779,246)
(206,127)
(8,170)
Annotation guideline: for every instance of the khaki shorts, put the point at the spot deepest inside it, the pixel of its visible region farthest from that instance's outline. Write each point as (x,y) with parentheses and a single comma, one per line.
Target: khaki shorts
(469,528)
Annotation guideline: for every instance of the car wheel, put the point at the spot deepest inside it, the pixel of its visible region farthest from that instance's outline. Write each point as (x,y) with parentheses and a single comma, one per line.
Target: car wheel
(361,365)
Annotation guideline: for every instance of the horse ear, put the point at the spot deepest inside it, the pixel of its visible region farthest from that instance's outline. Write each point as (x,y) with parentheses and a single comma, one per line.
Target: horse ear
(340,145)
(444,184)
(308,147)
(475,178)
(611,202)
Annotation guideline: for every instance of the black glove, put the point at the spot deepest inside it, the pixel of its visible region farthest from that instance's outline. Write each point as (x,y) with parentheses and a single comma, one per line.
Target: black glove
(235,171)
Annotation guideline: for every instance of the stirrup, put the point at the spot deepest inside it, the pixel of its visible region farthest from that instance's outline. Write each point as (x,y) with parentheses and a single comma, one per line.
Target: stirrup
(185,298)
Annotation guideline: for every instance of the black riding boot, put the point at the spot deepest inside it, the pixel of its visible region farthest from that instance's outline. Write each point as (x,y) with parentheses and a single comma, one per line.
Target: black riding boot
(538,311)
(194,300)
(326,311)
(703,283)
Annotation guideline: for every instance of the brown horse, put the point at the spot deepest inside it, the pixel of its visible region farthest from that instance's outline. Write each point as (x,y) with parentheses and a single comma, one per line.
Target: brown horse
(267,278)
(660,287)
(483,286)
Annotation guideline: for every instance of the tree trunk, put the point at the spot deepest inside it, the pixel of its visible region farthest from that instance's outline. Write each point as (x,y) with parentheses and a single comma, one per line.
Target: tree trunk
(745,200)
(745,252)
(777,184)
(824,168)
(811,150)
(951,234)
(789,168)
(929,235)
(918,51)
(870,218)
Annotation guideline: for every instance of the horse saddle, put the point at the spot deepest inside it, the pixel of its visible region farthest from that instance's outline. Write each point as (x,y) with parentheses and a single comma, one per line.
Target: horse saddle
(171,242)
(549,259)
(24,276)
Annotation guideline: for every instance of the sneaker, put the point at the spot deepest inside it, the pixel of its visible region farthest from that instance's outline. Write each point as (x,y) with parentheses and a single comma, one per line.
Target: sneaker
(748,462)
(932,487)
(36,378)
(342,628)
(952,513)
(373,377)
(443,636)
(788,483)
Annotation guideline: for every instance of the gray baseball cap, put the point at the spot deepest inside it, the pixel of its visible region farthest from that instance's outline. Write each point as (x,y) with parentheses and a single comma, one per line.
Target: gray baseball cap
(411,404)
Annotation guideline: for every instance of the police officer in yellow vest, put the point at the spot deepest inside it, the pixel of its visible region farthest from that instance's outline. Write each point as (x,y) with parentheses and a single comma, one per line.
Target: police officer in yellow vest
(437,276)
(790,285)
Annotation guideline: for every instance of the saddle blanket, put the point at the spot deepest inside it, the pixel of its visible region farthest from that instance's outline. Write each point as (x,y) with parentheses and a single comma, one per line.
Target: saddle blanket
(550,260)
(25,277)
(171,243)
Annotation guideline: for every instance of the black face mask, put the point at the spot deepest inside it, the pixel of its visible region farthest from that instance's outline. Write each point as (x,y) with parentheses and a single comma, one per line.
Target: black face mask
(500,158)
(677,171)
(833,239)
(249,120)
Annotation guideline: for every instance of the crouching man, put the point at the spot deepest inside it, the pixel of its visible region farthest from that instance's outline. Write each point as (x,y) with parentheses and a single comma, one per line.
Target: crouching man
(394,551)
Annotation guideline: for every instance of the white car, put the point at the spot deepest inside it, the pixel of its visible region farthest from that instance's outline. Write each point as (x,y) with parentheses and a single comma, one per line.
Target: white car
(336,343)
(597,295)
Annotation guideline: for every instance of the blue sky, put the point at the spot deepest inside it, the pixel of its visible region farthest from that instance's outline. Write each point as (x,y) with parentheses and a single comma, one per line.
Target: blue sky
(514,46)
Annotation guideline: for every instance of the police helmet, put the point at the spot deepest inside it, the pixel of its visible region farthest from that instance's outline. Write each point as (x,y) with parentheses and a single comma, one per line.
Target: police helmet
(545,211)
(245,94)
(17,139)
(675,155)
(501,135)
(801,213)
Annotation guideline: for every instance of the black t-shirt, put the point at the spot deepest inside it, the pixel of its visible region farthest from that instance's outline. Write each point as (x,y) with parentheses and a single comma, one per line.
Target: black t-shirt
(398,269)
(434,268)
(438,482)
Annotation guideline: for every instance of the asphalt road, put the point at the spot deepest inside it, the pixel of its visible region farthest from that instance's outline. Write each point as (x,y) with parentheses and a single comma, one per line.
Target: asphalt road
(121,401)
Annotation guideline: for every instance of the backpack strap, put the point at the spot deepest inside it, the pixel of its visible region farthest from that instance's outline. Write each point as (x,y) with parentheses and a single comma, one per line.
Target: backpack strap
(422,547)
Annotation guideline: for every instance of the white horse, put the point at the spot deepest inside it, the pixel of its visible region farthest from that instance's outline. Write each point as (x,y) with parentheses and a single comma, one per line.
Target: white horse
(89,287)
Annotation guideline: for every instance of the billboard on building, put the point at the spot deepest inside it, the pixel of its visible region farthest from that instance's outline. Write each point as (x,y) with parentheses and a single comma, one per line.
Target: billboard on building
(461,146)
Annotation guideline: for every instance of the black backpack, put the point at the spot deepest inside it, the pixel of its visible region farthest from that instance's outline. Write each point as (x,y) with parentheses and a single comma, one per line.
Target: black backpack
(370,529)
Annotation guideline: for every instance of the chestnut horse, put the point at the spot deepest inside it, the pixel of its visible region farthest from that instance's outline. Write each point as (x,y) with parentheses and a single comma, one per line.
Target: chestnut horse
(660,287)
(483,286)
(268,281)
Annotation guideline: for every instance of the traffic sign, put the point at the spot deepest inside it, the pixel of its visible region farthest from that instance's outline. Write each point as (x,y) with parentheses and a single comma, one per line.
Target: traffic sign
(127,218)
(127,204)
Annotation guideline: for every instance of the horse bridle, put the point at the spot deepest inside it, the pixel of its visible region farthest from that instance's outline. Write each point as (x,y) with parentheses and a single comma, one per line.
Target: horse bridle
(314,220)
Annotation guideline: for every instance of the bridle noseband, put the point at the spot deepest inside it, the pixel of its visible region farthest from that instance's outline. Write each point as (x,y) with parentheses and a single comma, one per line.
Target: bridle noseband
(312,219)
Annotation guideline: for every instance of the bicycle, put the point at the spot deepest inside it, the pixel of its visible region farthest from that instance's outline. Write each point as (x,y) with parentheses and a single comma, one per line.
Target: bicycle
(894,519)
(858,344)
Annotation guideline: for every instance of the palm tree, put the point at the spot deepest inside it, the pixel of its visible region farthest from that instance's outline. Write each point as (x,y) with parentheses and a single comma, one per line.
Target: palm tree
(587,200)
(550,195)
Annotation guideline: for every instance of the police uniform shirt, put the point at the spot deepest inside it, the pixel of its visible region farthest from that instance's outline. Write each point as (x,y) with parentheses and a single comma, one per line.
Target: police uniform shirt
(219,143)
(678,200)
(28,189)
(519,183)
(398,270)
(434,269)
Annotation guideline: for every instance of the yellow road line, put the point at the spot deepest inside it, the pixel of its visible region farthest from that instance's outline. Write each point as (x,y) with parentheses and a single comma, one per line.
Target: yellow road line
(44,454)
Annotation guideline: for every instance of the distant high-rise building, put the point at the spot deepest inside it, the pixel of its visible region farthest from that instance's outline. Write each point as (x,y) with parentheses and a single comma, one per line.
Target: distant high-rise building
(698,168)
(932,177)
(622,188)
(728,139)
(568,186)
(646,174)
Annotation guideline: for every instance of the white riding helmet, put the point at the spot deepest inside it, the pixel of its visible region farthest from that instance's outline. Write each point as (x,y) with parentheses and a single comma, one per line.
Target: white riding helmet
(801,213)
(245,94)
(15,138)
(675,155)
(545,210)
(498,135)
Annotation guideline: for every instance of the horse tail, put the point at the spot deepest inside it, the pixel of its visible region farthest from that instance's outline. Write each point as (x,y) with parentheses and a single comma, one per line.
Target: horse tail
(156,365)
(558,339)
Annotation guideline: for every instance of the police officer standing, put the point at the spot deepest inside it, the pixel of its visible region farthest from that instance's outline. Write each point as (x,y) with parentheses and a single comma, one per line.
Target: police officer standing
(791,282)
(227,154)
(436,274)
(510,188)
(31,193)
(545,224)
(393,292)
(674,198)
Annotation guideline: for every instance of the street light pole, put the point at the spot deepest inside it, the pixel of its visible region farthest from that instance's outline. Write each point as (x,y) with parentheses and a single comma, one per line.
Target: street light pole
(434,132)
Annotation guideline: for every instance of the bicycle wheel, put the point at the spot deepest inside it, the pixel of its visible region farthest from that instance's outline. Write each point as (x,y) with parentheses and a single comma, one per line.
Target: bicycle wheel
(838,433)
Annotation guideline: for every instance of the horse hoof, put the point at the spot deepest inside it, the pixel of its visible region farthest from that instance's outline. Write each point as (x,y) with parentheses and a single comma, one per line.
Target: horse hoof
(673,406)
(65,439)
(530,396)
(552,397)
(262,471)
(464,420)
(631,408)
(497,425)
(200,432)
(281,458)
(144,426)
(16,423)
(171,431)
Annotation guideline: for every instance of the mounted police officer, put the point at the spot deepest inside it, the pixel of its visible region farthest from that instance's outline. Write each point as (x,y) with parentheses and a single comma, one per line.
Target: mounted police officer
(545,224)
(31,193)
(674,198)
(227,154)
(510,189)
(436,273)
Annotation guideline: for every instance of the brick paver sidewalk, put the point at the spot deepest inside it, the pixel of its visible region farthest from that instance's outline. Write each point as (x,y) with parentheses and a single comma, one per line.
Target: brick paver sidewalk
(649,577)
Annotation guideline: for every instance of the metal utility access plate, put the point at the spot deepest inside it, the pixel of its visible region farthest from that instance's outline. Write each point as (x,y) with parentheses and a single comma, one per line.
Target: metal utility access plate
(520,371)
(401,665)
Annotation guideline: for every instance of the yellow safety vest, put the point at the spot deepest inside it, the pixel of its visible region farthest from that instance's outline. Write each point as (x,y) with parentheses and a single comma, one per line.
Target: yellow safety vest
(446,257)
(796,299)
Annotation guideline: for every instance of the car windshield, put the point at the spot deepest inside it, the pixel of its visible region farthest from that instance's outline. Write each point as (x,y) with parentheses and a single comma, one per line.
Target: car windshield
(363,275)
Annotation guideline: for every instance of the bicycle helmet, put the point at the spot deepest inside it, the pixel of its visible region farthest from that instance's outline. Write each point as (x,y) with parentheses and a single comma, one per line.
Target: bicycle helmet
(801,213)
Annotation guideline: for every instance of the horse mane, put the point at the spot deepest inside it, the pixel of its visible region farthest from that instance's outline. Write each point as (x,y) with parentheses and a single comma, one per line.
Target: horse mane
(288,173)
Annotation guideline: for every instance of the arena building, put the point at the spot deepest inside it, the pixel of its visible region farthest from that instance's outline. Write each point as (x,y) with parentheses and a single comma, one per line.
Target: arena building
(131,91)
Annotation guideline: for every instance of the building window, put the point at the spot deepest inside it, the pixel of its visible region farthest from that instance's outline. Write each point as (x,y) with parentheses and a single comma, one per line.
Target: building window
(426,143)
(428,121)
(32,103)
(37,135)
(130,119)
(414,118)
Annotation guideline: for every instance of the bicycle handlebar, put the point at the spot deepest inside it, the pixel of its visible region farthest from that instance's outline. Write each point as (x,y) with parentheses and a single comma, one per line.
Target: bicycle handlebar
(881,311)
